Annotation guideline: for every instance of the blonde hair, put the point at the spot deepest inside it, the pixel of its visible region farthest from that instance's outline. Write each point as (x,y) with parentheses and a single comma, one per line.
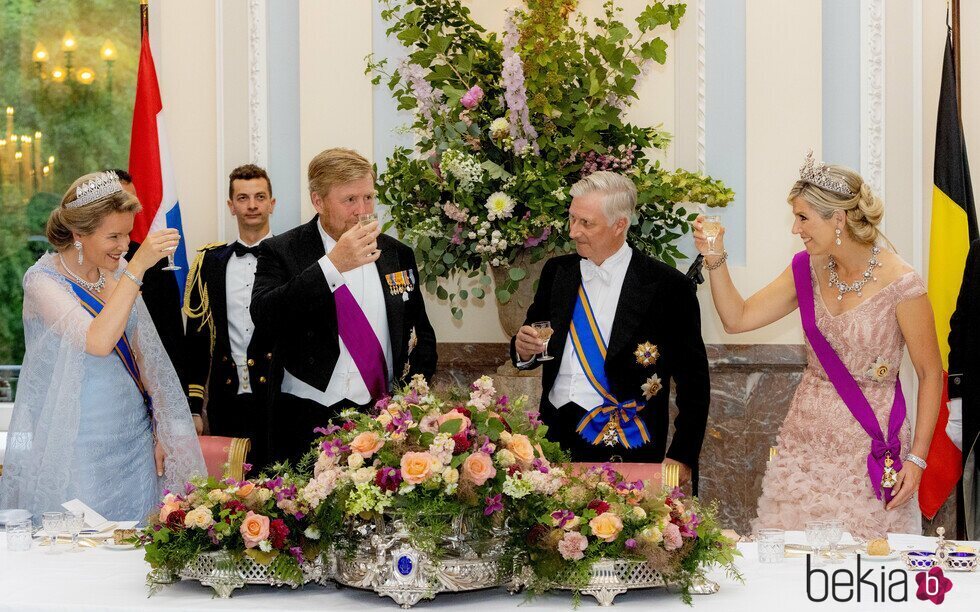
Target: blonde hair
(64,223)
(618,194)
(335,167)
(863,212)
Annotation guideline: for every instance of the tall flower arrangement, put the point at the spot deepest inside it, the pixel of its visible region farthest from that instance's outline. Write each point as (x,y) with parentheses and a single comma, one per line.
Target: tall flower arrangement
(505,125)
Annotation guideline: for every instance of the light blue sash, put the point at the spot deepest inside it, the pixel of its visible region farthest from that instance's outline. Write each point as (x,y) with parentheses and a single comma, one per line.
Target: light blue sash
(93,306)
(612,417)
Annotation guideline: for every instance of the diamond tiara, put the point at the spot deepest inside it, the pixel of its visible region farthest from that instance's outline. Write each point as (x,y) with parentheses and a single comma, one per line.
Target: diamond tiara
(105,184)
(817,173)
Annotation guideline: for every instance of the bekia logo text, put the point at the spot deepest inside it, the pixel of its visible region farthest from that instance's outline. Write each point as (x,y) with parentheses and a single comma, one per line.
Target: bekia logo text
(873,584)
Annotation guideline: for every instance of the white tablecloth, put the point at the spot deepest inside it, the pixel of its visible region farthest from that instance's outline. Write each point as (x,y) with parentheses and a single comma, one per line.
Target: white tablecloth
(102,579)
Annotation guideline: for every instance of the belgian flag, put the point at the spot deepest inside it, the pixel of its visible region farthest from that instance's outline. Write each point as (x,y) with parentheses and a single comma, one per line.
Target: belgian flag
(954,227)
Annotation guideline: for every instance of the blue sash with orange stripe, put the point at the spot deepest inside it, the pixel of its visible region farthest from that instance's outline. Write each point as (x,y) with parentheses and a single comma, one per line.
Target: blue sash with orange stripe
(123,349)
(612,421)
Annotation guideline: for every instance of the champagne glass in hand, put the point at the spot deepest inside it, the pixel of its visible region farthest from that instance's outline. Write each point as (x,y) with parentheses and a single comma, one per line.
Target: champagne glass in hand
(544,331)
(711,226)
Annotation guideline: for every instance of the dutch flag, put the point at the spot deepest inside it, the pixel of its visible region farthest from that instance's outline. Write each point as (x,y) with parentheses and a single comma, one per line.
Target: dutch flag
(150,164)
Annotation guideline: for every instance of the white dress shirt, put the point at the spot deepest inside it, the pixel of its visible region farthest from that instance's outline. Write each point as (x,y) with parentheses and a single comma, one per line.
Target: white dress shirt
(603,286)
(346,382)
(239,278)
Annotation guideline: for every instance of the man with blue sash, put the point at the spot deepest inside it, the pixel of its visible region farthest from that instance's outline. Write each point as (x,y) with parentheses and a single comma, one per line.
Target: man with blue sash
(625,327)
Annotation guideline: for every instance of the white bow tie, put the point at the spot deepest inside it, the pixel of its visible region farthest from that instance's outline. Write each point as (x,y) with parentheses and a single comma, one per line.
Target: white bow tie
(591,271)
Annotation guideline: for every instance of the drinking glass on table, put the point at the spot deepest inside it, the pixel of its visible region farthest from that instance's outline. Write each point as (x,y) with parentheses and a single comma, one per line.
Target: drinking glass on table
(711,226)
(772,545)
(52,523)
(74,523)
(19,535)
(816,537)
(835,531)
(544,331)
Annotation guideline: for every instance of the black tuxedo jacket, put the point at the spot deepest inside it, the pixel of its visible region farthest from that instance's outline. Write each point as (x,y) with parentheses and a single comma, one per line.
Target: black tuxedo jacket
(163,299)
(964,381)
(292,299)
(657,305)
(215,371)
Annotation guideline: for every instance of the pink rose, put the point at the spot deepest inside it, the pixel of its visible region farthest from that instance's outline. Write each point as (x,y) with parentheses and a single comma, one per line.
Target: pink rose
(429,424)
(672,537)
(366,443)
(254,529)
(572,546)
(454,415)
(472,97)
(417,467)
(478,468)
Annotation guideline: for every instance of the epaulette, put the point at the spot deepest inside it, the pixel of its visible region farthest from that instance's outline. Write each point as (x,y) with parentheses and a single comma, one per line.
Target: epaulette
(211,246)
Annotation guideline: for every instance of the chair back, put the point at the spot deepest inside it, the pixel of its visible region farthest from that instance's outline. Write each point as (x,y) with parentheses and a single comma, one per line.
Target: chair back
(630,471)
(225,456)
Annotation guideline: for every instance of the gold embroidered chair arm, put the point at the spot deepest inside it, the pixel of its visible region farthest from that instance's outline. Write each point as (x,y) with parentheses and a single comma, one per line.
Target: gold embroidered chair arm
(237,453)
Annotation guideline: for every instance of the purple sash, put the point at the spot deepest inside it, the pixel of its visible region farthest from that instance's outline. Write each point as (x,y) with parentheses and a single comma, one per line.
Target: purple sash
(847,387)
(362,343)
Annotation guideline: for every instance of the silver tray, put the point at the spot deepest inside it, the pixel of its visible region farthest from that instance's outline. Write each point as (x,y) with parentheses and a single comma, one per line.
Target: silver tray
(224,572)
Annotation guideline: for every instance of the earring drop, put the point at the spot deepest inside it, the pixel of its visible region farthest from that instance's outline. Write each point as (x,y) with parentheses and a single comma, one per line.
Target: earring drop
(836,231)
(78,247)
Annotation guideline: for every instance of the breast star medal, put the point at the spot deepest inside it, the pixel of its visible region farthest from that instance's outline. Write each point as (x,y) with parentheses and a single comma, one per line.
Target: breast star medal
(651,387)
(646,354)
(888,476)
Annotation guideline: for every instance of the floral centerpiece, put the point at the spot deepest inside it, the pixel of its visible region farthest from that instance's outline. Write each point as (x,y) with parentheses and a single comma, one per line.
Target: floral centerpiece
(264,519)
(431,462)
(600,515)
(505,125)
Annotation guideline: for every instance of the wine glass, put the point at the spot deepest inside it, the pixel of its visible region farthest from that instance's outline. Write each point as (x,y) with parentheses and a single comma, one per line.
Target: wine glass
(816,537)
(367,218)
(711,226)
(170,260)
(52,523)
(544,331)
(74,522)
(835,531)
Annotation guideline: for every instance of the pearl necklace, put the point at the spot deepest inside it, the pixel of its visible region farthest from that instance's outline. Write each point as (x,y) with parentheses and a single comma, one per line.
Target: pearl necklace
(97,286)
(857,285)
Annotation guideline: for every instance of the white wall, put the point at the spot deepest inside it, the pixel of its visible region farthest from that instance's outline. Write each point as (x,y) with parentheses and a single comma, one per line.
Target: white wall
(783,117)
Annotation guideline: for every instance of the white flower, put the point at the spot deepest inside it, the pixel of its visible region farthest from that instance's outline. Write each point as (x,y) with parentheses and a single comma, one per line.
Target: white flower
(312,533)
(516,487)
(499,128)
(505,458)
(363,475)
(265,546)
(500,206)
(450,476)
(639,513)
(355,461)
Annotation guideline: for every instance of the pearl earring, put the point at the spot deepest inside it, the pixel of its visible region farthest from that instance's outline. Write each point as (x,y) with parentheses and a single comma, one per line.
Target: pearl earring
(78,247)
(836,231)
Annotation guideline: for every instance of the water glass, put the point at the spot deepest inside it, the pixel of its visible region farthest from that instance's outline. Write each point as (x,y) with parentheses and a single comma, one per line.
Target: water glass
(835,531)
(53,523)
(74,523)
(19,535)
(367,218)
(772,545)
(816,537)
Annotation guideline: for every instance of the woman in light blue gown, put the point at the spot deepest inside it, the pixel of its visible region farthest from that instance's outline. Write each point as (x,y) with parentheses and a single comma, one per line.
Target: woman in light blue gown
(100,414)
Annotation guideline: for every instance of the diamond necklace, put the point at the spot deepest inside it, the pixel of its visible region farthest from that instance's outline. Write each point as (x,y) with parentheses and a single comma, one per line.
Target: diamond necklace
(96,286)
(857,285)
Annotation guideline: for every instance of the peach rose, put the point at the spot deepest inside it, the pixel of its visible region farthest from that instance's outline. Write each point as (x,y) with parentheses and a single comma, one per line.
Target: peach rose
(520,445)
(200,518)
(245,490)
(167,509)
(454,415)
(417,467)
(606,526)
(254,529)
(478,468)
(366,443)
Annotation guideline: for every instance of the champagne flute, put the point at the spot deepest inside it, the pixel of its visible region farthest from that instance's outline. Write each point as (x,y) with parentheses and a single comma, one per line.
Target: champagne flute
(711,226)
(544,331)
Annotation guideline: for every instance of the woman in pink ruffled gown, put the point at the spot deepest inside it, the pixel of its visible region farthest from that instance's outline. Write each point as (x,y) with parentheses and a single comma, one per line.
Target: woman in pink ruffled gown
(869,305)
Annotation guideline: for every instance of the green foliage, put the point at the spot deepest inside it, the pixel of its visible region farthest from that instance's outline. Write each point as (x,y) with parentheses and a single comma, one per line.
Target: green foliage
(579,78)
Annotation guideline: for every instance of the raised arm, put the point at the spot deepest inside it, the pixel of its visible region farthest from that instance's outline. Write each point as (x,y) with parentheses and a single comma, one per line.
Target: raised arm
(768,305)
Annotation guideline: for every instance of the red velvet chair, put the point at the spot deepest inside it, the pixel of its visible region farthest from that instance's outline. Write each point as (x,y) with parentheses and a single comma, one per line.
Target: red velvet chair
(224,456)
